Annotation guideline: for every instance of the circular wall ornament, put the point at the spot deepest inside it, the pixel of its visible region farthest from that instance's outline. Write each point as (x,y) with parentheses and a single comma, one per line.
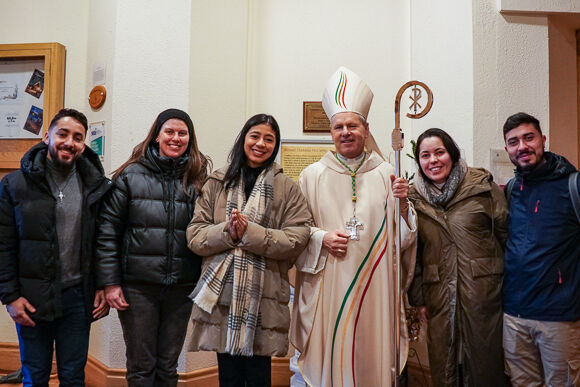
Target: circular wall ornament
(97,96)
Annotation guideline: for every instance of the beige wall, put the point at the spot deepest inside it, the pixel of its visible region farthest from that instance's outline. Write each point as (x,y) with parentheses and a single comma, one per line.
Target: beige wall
(510,73)
(62,21)
(442,57)
(270,56)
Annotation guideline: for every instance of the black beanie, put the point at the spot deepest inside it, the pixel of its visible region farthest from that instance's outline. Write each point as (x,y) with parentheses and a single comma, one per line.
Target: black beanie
(173,113)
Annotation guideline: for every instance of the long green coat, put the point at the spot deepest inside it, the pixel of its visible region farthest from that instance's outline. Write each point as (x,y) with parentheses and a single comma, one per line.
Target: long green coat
(459,278)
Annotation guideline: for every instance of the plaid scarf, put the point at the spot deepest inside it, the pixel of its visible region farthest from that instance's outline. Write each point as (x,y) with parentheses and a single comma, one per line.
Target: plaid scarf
(244,270)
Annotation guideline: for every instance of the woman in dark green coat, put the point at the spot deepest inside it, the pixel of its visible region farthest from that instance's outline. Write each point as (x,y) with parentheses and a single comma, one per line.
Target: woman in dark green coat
(457,285)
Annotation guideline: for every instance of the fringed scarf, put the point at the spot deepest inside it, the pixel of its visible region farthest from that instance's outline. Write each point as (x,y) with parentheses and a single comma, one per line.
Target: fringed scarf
(440,197)
(244,268)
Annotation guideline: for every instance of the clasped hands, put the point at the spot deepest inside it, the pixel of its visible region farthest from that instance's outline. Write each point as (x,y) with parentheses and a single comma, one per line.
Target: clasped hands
(237,225)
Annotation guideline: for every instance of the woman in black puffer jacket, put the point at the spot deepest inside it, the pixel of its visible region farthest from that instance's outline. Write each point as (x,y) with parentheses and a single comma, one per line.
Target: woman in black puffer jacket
(144,263)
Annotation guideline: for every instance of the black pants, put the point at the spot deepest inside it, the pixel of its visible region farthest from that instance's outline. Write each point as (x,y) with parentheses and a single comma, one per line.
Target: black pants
(243,371)
(154,328)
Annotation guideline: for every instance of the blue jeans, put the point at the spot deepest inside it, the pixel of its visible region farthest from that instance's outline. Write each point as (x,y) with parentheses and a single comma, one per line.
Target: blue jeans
(69,335)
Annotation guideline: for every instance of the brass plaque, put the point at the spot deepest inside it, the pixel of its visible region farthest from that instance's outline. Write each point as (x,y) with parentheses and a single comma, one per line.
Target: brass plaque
(313,117)
(295,157)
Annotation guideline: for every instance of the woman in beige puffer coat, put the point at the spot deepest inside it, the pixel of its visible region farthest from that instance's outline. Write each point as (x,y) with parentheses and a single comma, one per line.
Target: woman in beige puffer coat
(250,223)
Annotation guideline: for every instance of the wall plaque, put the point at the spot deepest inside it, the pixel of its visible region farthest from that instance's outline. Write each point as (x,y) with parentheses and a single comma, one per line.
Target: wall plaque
(313,117)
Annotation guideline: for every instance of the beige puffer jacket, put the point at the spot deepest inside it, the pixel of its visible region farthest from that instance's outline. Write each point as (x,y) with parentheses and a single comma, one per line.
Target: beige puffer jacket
(207,236)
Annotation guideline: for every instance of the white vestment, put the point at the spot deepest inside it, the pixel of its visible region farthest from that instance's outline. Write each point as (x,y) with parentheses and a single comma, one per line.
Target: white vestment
(342,320)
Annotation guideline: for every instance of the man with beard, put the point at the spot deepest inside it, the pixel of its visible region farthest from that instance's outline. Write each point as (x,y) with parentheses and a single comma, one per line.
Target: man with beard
(542,263)
(48,209)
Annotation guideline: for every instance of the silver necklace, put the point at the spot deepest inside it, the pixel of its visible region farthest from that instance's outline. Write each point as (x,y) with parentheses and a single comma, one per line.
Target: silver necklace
(60,190)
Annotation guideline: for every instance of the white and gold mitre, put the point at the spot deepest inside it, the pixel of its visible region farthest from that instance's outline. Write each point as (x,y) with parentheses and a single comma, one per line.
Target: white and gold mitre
(346,92)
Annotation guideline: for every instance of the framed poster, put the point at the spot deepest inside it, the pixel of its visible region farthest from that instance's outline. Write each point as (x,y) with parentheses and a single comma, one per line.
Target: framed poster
(31,92)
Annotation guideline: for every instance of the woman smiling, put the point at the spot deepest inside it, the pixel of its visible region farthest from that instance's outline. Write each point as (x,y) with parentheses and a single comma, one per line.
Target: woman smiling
(144,263)
(457,287)
(250,224)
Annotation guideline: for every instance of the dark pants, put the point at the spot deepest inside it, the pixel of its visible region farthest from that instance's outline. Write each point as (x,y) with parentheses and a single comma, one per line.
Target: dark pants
(69,335)
(243,371)
(154,328)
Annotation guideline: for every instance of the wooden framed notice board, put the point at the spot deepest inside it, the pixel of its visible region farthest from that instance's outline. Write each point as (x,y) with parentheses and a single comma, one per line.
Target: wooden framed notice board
(31,92)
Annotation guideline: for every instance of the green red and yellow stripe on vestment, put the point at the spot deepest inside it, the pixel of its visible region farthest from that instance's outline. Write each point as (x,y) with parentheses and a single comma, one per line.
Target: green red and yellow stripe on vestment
(354,297)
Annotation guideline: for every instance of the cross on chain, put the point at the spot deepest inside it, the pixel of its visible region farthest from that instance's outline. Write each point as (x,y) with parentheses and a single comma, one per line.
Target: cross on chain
(353,226)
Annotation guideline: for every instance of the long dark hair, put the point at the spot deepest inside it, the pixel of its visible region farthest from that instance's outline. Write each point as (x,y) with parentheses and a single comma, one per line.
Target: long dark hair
(198,165)
(238,158)
(447,141)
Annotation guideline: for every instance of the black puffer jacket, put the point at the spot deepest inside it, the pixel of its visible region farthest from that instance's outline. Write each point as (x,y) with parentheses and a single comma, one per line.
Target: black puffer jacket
(142,226)
(29,251)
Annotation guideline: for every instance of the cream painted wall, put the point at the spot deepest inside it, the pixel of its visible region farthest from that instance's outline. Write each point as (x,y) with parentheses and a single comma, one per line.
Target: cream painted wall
(510,73)
(442,57)
(38,21)
(102,36)
(106,342)
(218,80)
(151,69)
(269,56)
(294,47)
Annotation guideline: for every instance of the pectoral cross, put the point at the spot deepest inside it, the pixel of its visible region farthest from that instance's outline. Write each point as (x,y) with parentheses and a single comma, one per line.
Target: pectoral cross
(352,226)
(60,195)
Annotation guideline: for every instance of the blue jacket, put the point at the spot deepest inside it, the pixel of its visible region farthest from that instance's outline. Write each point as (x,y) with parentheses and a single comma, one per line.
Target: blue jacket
(542,257)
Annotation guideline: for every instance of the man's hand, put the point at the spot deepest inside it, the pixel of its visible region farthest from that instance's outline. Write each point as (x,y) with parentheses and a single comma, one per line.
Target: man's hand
(100,304)
(115,297)
(401,190)
(335,242)
(400,187)
(17,310)
(422,313)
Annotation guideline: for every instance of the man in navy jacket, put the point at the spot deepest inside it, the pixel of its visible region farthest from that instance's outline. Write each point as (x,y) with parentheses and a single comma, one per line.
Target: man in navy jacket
(542,263)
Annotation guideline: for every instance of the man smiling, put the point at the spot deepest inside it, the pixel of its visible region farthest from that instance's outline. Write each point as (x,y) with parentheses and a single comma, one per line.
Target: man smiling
(542,263)
(48,209)
(342,319)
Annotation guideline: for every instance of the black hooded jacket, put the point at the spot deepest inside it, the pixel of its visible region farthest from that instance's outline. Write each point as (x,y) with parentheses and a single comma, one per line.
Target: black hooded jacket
(29,251)
(143,223)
